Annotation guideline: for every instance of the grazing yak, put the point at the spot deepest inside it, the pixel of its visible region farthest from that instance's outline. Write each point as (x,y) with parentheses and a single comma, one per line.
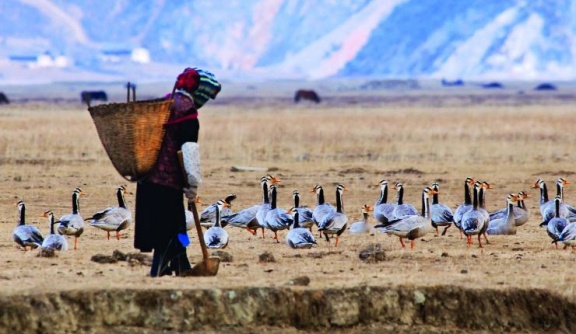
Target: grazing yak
(3,99)
(304,94)
(454,83)
(545,86)
(89,96)
(492,85)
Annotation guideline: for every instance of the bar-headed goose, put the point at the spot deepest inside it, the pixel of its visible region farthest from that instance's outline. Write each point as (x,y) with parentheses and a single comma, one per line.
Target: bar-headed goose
(413,226)
(304,212)
(73,223)
(26,235)
(382,209)
(114,218)
(245,218)
(441,214)
(298,236)
(276,219)
(556,225)
(263,209)
(520,212)
(54,240)
(547,207)
(216,236)
(402,209)
(464,207)
(334,223)
(524,212)
(475,219)
(362,226)
(208,215)
(504,225)
(322,208)
(482,201)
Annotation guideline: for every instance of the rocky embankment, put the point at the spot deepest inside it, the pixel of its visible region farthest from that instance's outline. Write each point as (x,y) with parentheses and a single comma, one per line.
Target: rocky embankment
(442,309)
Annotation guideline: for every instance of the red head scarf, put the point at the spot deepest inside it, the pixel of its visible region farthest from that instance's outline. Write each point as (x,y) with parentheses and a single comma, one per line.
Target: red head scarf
(188,80)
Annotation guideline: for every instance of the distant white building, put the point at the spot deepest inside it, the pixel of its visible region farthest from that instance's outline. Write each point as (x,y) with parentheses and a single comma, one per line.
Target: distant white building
(141,55)
(115,55)
(137,55)
(40,61)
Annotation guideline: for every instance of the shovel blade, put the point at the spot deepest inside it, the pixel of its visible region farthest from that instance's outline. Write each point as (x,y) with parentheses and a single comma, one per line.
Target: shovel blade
(208,267)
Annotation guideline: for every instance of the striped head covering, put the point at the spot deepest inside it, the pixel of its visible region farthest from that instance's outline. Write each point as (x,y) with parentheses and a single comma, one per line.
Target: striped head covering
(208,88)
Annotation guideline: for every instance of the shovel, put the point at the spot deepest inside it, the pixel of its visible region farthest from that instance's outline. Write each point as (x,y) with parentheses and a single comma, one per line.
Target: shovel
(210,264)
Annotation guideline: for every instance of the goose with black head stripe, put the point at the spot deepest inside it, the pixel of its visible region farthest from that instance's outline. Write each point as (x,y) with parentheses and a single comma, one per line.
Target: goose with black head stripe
(441,214)
(208,215)
(382,209)
(505,225)
(547,207)
(322,208)
(304,212)
(413,226)
(334,223)
(524,213)
(474,219)
(54,240)
(216,236)
(26,235)
(299,236)
(276,219)
(402,209)
(486,215)
(520,211)
(114,218)
(560,184)
(557,224)
(72,223)
(263,209)
(245,218)
(362,226)
(464,207)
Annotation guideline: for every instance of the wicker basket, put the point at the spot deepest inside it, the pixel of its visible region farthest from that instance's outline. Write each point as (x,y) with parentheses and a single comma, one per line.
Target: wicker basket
(132,134)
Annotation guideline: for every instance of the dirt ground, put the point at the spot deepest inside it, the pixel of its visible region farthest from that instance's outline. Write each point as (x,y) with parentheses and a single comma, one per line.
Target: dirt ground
(47,148)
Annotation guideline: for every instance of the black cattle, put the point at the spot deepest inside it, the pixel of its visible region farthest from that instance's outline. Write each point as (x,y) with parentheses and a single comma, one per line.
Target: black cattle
(545,86)
(493,85)
(89,96)
(454,83)
(3,99)
(304,94)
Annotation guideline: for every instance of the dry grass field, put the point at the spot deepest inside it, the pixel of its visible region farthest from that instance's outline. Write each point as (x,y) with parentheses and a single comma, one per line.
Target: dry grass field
(354,138)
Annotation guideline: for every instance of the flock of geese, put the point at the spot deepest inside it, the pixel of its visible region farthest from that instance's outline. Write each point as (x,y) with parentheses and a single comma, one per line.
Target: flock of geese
(401,219)
(397,218)
(111,219)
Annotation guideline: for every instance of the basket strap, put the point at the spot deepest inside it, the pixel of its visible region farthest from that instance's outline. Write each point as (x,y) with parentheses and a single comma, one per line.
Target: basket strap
(181,119)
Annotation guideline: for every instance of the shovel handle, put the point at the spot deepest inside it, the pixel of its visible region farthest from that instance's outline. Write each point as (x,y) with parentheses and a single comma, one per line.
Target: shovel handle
(192,207)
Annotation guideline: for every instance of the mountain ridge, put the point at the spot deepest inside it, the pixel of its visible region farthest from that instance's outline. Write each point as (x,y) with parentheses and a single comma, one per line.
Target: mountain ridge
(304,39)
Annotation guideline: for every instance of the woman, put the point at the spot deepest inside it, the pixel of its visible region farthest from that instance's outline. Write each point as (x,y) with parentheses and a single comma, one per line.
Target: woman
(160,224)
